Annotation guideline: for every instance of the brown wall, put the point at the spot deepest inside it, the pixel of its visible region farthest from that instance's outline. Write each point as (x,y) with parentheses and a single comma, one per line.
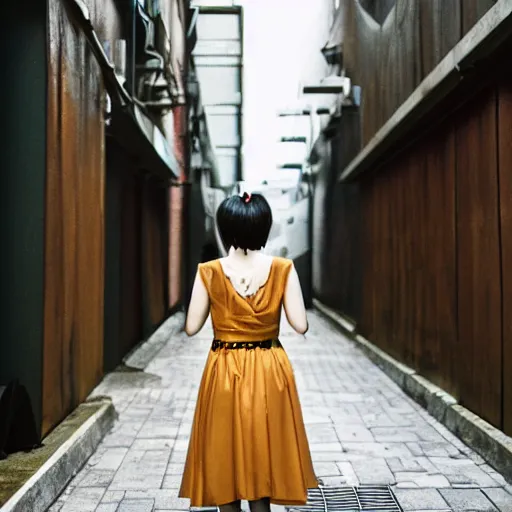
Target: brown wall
(435,239)
(505,219)
(390,58)
(74,238)
(154,253)
(176,217)
(428,234)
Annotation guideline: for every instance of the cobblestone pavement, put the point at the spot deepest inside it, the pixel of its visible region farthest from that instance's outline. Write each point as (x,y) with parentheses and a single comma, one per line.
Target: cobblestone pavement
(362,430)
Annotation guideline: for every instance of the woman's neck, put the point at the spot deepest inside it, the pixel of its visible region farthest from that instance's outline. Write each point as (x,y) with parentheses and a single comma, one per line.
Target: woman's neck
(239,254)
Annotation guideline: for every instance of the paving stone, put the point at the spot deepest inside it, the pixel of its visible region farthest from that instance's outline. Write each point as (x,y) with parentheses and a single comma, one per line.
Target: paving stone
(361,427)
(415,449)
(374,471)
(153,444)
(97,478)
(500,498)
(112,497)
(420,499)
(158,429)
(172,482)
(326,469)
(107,507)
(397,464)
(468,499)
(56,507)
(117,440)
(111,459)
(438,449)
(83,500)
(136,506)
(348,473)
(175,469)
(322,434)
(463,471)
(325,447)
(135,480)
(421,480)
(378,449)
(354,433)
(400,435)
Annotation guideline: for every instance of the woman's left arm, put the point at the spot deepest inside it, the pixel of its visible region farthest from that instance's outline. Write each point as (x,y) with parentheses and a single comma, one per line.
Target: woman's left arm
(199,307)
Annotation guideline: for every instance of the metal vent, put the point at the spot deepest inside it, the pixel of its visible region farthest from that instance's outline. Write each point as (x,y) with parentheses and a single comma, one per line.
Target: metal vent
(367,498)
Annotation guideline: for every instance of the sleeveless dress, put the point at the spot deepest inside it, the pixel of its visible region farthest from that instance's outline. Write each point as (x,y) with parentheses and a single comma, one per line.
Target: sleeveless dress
(248,439)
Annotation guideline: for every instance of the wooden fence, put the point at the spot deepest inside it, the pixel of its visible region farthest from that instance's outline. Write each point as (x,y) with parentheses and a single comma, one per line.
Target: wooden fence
(418,251)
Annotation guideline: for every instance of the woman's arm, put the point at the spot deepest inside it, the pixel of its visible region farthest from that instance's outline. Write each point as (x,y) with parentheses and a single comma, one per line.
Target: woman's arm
(198,308)
(293,303)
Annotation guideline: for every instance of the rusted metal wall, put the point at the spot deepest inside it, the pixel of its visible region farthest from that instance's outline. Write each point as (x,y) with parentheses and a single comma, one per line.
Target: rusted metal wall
(74,237)
(391,46)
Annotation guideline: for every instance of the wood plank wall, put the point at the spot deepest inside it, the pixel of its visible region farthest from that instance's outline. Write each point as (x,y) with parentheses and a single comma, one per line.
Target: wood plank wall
(390,56)
(436,226)
(505,220)
(433,226)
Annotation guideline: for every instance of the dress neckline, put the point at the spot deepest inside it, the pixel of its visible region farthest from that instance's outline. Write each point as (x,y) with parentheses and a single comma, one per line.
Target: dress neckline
(226,278)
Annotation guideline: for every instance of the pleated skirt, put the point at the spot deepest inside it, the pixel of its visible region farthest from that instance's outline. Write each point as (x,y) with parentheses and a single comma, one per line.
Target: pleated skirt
(248,439)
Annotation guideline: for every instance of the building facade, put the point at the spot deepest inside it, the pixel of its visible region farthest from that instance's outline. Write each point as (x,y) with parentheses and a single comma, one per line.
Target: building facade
(94,176)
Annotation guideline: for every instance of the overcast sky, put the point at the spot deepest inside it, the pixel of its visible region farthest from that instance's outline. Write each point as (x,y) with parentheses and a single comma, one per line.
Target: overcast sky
(282,42)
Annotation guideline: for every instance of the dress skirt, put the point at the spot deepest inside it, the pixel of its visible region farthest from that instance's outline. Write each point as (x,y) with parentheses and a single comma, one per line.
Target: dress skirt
(248,439)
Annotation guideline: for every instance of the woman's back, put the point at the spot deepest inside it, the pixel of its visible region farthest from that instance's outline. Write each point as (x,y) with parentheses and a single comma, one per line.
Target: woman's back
(244,294)
(253,317)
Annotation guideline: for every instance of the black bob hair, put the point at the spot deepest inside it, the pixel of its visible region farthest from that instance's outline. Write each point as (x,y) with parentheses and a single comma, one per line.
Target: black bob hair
(244,222)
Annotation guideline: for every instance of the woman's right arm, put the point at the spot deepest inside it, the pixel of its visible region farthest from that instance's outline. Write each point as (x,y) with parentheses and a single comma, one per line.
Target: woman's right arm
(199,307)
(293,303)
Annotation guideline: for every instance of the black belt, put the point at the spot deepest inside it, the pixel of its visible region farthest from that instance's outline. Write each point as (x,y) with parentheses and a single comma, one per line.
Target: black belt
(248,345)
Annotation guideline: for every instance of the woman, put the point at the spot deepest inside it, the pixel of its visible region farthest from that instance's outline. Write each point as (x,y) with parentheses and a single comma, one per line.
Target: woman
(248,440)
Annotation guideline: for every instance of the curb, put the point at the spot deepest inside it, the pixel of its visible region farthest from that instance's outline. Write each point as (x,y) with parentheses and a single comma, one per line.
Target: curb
(140,357)
(44,487)
(490,443)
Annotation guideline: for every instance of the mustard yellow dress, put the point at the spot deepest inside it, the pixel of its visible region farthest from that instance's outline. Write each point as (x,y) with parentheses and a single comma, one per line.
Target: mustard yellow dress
(248,439)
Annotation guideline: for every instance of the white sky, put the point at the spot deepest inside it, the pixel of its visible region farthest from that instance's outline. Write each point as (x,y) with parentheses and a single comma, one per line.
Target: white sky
(282,42)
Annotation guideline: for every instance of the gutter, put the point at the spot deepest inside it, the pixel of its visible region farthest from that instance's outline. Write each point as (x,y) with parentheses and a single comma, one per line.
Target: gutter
(489,34)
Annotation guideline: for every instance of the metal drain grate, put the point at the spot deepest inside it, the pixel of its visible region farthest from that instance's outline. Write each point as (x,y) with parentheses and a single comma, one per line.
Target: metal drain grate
(368,498)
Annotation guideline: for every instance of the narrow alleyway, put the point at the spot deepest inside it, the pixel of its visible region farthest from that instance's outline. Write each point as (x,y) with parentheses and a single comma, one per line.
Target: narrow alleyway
(362,430)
